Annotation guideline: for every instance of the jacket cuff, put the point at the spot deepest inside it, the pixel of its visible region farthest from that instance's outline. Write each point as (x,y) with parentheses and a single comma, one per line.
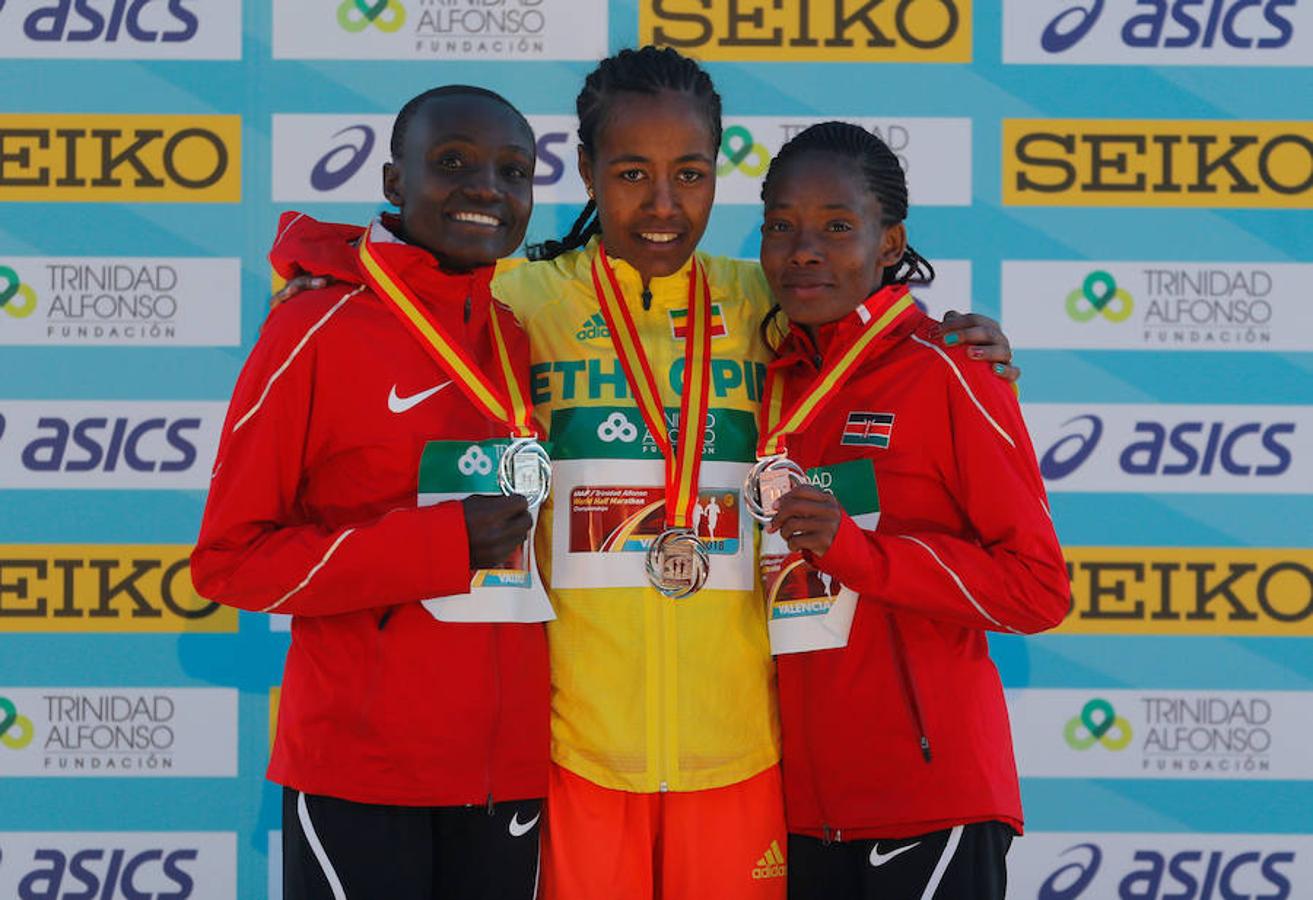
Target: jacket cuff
(850,558)
(447,549)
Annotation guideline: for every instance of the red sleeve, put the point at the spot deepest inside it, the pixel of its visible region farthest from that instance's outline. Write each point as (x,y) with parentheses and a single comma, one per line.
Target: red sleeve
(257,549)
(1011,575)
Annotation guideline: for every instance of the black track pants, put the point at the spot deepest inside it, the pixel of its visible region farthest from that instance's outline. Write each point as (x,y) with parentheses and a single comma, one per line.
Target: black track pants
(338,850)
(968,862)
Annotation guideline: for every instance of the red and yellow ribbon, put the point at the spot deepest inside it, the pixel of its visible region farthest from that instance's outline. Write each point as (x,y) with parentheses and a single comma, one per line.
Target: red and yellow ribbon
(510,407)
(886,308)
(684,459)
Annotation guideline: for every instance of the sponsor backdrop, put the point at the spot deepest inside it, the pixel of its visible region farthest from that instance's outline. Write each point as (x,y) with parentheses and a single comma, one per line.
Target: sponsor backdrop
(1126,184)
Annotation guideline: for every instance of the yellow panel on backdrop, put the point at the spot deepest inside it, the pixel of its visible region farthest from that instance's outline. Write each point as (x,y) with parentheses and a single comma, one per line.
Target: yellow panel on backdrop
(1153,162)
(810,30)
(99,158)
(1190,591)
(104,588)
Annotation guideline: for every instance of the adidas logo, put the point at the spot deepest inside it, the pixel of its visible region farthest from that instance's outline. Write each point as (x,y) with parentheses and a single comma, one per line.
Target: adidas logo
(771,864)
(593,328)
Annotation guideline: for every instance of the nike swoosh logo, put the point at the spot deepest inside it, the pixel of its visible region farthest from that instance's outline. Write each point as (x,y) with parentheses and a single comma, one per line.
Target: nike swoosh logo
(400,404)
(518,830)
(878,859)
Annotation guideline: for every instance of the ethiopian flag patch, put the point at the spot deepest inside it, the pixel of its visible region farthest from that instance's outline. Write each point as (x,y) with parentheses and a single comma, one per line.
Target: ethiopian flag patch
(868,429)
(679,323)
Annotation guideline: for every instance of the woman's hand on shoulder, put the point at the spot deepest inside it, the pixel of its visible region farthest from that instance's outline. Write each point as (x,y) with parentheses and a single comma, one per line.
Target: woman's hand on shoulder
(297,285)
(985,339)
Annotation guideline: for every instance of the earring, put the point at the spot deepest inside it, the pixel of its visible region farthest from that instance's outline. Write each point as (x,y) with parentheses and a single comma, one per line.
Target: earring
(590,193)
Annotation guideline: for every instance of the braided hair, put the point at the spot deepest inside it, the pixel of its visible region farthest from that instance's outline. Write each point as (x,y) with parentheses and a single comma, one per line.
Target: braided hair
(402,123)
(884,178)
(647,70)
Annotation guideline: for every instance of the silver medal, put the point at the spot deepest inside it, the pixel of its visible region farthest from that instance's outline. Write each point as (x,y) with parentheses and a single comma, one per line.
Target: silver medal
(770,479)
(525,469)
(677,563)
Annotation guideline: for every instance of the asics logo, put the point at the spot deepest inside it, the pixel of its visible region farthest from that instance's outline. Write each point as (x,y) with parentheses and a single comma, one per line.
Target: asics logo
(399,404)
(519,829)
(878,859)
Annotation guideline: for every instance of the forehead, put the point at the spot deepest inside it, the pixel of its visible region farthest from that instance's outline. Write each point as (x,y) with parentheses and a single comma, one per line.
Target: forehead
(819,178)
(664,123)
(482,120)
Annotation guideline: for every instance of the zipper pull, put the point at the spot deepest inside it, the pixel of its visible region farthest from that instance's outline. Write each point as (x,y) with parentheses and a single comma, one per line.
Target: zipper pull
(825,835)
(925,747)
(469,304)
(491,811)
(647,299)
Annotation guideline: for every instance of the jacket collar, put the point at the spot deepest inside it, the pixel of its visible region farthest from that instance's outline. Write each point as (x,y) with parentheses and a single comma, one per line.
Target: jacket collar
(444,293)
(842,330)
(668,291)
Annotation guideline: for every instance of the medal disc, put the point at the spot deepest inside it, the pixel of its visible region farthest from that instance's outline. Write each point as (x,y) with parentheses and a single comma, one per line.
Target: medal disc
(677,563)
(769,480)
(525,469)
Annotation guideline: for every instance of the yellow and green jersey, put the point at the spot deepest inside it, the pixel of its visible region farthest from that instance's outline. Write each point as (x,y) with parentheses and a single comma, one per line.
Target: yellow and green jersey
(648,693)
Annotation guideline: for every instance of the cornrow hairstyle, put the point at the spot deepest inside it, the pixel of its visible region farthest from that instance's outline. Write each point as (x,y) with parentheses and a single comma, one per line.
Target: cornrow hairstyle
(884,178)
(647,70)
(402,123)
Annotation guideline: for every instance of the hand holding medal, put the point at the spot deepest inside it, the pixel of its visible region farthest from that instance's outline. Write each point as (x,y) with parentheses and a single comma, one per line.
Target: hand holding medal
(774,474)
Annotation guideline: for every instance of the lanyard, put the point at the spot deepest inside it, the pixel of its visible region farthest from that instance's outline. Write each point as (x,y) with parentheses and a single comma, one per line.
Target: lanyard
(684,459)
(509,407)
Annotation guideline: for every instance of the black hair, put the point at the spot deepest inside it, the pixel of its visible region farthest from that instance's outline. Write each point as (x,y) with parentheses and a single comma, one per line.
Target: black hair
(647,70)
(402,123)
(884,178)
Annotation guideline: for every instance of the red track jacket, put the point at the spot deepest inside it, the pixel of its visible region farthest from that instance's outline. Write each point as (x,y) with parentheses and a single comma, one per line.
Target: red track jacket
(905,731)
(312,511)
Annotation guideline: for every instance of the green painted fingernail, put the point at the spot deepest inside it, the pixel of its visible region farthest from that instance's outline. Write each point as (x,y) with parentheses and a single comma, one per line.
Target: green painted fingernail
(999,368)
(952,338)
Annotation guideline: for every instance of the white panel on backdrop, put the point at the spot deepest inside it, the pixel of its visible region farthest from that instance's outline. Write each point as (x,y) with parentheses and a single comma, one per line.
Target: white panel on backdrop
(935,153)
(81,732)
(339,158)
(1099,866)
(120,301)
(51,444)
(275,865)
(1170,449)
(951,288)
(1140,33)
(1092,305)
(113,29)
(118,865)
(1245,735)
(506,31)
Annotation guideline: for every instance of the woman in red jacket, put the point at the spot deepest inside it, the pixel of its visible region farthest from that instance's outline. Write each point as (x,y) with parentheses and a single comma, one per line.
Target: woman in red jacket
(924,526)
(412,730)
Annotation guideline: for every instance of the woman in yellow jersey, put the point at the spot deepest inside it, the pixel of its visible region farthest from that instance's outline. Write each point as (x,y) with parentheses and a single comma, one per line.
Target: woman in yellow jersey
(665,739)
(664,732)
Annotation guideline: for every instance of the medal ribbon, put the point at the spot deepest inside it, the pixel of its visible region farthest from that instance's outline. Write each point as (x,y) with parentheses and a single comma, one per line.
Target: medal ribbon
(509,407)
(683,460)
(779,424)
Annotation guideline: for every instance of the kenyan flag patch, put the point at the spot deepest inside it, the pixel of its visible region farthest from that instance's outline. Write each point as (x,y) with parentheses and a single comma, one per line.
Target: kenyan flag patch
(868,429)
(679,323)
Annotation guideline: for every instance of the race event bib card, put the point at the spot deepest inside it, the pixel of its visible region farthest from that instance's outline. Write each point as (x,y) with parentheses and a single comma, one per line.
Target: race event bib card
(620,519)
(809,609)
(453,470)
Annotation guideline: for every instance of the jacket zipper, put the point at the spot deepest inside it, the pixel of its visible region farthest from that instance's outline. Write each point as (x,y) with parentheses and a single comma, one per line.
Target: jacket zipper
(909,687)
(496,712)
